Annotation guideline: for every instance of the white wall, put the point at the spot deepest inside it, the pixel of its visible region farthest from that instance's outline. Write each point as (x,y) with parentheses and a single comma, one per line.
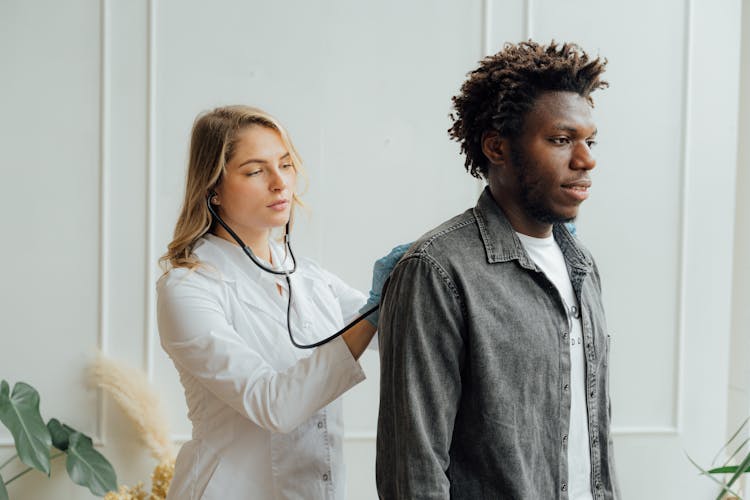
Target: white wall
(739,378)
(98,99)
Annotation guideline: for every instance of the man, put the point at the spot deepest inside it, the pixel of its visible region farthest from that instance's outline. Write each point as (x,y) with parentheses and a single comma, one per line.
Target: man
(493,342)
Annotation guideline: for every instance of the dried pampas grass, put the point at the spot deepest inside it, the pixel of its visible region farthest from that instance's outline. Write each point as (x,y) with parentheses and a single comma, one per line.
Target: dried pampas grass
(132,391)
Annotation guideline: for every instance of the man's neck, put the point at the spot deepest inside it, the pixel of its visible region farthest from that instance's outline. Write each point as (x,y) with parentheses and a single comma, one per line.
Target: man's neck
(519,219)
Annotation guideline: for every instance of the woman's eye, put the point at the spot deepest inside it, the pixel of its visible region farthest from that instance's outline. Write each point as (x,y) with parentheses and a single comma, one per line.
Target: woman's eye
(253,173)
(287,165)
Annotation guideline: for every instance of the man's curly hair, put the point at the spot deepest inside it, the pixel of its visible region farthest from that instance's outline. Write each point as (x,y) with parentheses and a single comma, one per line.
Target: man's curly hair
(498,94)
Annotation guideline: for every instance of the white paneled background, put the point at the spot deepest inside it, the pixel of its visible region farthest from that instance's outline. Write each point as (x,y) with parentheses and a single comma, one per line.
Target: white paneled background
(97,98)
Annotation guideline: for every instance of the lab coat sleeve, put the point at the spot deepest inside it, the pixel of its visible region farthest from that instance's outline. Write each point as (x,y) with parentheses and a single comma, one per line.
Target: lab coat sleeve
(421,359)
(195,333)
(351,301)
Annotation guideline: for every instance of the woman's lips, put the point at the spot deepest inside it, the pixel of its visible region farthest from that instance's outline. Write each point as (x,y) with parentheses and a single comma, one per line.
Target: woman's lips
(279,206)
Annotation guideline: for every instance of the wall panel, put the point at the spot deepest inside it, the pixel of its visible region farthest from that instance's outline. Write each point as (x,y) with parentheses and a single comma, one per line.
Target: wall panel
(99,97)
(49,153)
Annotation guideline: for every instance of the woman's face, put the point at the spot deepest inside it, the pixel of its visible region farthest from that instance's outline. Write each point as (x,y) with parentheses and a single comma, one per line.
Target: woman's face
(255,193)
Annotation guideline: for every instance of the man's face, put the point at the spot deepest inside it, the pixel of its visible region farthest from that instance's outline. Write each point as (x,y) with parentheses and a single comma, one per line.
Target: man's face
(551,159)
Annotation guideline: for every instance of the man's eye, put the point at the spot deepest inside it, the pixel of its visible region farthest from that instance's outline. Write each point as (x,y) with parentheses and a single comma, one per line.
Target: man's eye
(591,143)
(560,140)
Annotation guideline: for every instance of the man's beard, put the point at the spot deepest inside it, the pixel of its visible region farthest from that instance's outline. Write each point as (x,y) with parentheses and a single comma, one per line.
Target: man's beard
(533,200)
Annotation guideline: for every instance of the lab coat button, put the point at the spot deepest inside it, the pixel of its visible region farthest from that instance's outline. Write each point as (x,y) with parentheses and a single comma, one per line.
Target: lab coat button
(307,324)
(320,425)
(325,477)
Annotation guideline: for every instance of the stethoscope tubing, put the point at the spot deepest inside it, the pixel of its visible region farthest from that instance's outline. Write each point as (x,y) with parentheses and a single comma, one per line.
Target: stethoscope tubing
(286,273)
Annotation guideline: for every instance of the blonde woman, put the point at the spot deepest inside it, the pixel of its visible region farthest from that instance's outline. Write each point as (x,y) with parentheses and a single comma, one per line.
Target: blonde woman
(266,415)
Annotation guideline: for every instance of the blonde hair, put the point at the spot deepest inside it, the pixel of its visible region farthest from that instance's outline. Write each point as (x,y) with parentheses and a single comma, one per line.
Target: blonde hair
(212,144)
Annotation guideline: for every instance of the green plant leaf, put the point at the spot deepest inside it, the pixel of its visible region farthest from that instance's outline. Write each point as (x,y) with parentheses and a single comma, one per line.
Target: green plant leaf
(87,467)
(20,414)
(3,491)
(727,469)
(60,434)
(744,465)
(724,488)
(726,445)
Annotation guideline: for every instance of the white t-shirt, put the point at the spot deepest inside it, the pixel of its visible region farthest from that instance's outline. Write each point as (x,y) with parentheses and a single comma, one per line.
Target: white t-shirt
(547,255)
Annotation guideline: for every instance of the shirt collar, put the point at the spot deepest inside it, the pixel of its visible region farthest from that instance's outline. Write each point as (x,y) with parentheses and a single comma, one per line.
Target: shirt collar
(502,244)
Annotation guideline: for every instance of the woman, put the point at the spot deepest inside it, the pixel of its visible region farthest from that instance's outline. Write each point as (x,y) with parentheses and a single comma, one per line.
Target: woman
(266,416)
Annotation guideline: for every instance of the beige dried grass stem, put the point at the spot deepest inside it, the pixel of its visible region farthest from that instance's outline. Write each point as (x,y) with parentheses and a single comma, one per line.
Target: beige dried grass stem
(133,392)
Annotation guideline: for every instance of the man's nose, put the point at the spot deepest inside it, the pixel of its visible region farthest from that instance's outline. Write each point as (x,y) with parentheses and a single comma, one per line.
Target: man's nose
(583,157)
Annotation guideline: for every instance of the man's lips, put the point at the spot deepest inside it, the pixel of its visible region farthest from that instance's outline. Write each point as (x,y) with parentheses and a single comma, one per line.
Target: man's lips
(578,190)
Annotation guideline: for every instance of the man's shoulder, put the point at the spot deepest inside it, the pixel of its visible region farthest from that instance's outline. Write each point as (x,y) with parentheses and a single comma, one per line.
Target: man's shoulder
(447,238)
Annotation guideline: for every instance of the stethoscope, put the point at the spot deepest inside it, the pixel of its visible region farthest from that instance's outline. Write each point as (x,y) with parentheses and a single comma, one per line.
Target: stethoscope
(281,272)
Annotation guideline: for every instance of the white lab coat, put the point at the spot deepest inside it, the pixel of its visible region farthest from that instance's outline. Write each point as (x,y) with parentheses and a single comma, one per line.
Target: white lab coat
(266,417)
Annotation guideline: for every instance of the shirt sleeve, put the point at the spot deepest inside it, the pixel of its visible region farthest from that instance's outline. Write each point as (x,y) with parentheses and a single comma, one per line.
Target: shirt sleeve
(195,333)
(421,351)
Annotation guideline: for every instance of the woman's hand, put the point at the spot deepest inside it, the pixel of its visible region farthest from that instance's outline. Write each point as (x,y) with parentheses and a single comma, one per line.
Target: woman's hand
(380,272)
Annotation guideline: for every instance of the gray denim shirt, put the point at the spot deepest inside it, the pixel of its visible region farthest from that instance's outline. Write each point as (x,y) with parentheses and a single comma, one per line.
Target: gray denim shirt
(475,367)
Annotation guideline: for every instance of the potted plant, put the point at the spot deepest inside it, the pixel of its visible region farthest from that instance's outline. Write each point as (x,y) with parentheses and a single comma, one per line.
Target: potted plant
(35,441)
(737,464)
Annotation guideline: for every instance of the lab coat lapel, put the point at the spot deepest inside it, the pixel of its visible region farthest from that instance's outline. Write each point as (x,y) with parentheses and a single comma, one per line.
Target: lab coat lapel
(254,287)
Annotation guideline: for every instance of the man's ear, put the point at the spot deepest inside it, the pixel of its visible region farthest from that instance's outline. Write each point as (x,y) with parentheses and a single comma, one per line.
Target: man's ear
(495,147)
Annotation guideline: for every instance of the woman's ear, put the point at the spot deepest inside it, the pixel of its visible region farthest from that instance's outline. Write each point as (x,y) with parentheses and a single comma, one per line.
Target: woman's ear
(494,147)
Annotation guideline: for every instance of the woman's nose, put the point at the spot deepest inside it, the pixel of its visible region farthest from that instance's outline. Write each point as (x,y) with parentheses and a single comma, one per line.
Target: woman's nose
(278,182)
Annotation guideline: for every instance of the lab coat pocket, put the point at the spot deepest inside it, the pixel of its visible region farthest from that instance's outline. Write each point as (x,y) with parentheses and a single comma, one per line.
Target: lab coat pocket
(300,461)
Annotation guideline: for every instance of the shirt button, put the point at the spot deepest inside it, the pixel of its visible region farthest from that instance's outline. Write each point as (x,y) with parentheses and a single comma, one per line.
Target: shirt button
(595,440)
(598,485)
(591,394)
(565,335)
(320,425)
(565,387)
(564,487)
(325,477)
(565,439)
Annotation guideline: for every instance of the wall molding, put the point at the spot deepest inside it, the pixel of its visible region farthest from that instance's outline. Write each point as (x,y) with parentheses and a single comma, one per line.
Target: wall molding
(527,19)
(678,392)
(684,171)
(150,276)
(676,427)
(105,212)
(371,435)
